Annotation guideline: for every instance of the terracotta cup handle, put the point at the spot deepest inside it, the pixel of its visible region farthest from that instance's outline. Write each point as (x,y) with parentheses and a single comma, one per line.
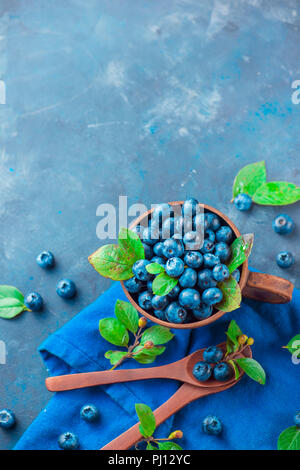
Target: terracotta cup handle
(268,288)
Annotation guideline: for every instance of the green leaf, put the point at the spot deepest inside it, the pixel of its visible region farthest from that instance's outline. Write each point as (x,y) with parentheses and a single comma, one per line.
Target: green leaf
(147,356)
(289,439)
(252,368)
(155,268)
(277,193)
(157,334)
(150,447)
(163,284)
(113,331)
(235,368)
(233,333)
(294,345)
(115,356)
(249,179)
(169,446)
(115,262)
(240,251)
(10,291)
(10,307)
(147,420)
(127,315)
(232,295)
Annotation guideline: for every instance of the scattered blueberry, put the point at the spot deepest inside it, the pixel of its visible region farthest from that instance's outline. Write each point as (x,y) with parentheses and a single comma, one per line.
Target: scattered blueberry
(222,371)
(134,285)
(283,224)
(220,272)
(213,354)
(145,300)
(89,413)
(34,301)
(45,260)
(140,271)
(7,419)
(212,296)
(212,425)
(202,371)
(159,302)
(66,288)
(243,202)
(68,441)
(285,259)
(189,298)
(297,419)
(188,278)
(175,313)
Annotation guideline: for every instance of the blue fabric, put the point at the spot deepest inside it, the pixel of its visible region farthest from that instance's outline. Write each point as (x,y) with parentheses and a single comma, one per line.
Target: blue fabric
(253,415)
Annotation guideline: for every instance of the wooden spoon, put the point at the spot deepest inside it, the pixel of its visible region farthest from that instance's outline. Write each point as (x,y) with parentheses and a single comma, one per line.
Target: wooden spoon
(186,394)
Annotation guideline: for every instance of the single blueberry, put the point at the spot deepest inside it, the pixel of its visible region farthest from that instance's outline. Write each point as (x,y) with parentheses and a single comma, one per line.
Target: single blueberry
(192,240)
(175,313)
(193,259)
(160,314)
(220,272)
(34,301)
(89,413)
(188,278)
(151,235)
(159,302)
(159,260)
(189,298)
(297,419)
(158,249)
(174,293)
(144,300)
(210,260)
(212,296)
(133,285)
(283,224)
(223,251)
(190,207)
(173,248)
(168,228)
(66,288)
(7,419)
(210,235)
(174,267)
(213,354)
(162,212)
(148,251)
(140,271)
(202,371)
(212,425)
(68,441)
(236,275)
(243,202)
(45,260)
(223,371)
(202,312)
(205,279)
(213,221)
(224,234)
(208,246)
(285,259)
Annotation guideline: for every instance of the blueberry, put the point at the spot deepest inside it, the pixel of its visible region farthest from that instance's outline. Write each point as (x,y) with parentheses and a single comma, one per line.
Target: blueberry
(173,294)
(220,272)
(173,248)
(68,441)
(168,228)
(210,260)
(144,300)
(210,235)
(243,202)
(133,285)
(183,225)
(160,314)
(190,207)
(200,223)
(7,419)
(213,221)
(223,371)
(140,271)
(213,354)
(188,278)
(159,302)
(89,413)
(66,288)
(297,419)
(34,301)
(212,296)
(224,234)
(283,224)
(202,371)
(193,259)
(236,275)
(175,313)
(159,260)
(45,260)
(174,267)
(202,312)
(223,251)
(208,246)
(148,251)
(285,259)
(212,425)
(205,279)
(151,235)
(158,249)
(192,240)
(162,212)
(189,298)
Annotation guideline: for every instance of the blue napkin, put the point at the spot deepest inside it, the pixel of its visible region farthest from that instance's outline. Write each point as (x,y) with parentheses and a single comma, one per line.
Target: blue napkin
(252,415)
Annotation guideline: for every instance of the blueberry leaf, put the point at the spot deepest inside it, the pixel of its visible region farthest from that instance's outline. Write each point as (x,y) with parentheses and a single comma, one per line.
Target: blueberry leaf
(11,302)
(155,268)
(249,179)
(169,446)
(11,291)
(147,356)
(240,251)
(115,356)
(252,368)
(163,284)
(277,193)
(127,315)
(233,333)
(114,331)
(157,334)
(232,295)
(235,368)
(150,447)
(147,420)
(289,439)
(294,346)
(130,242)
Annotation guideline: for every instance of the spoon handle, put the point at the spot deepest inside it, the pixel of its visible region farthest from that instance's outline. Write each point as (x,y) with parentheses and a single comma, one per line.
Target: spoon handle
(184,395)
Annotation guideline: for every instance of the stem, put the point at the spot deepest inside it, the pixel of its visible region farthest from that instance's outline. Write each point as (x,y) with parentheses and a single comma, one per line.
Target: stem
(240,350)
(129,354)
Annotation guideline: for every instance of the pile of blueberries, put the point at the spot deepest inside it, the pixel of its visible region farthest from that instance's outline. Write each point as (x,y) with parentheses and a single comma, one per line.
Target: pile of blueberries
(211,366)
(176,243)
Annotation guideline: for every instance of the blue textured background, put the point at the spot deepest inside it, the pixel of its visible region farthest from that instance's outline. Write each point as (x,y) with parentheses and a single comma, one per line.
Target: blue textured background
(155,100)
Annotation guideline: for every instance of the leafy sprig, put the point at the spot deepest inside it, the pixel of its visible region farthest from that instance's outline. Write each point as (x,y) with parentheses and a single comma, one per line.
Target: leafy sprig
(289,439)
(293,347)
(147,427)
(147,343)
(11,302)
